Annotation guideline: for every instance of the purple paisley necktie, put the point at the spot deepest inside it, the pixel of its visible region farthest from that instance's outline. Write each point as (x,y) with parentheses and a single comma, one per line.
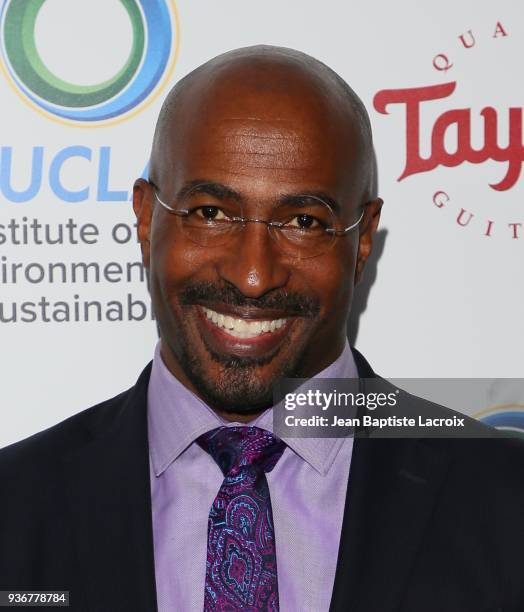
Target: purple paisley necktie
(241,566)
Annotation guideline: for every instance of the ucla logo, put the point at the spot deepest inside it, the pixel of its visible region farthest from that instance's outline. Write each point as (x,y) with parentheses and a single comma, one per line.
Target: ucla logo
(147,69)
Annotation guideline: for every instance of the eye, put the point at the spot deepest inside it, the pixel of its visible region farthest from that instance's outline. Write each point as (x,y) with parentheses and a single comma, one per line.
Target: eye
(209,213)
(305,222)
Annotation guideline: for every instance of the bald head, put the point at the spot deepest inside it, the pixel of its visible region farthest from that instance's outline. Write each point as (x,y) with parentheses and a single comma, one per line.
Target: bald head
(274,87)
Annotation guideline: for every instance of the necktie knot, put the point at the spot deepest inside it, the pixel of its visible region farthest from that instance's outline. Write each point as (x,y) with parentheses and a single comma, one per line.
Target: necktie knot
(235,448)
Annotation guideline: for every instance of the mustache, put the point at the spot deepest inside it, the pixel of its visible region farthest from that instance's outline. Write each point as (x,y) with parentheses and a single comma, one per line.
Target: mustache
(290,302)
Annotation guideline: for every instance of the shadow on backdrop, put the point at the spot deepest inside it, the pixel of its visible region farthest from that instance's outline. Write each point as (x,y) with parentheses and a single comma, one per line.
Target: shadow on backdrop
(363,289)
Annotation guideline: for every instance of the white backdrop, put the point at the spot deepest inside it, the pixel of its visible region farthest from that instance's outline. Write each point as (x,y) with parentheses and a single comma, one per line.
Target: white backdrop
(447,299)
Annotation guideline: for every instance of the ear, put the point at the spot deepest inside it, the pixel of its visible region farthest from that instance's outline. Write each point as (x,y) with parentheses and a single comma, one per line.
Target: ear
(142,205)
(368,227)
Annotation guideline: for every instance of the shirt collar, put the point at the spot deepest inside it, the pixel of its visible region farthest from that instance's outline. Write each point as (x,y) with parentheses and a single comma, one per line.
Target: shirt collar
(177,417)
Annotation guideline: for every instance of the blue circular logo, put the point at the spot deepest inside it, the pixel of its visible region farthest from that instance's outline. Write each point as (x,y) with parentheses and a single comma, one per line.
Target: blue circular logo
(508,418)
(146,70)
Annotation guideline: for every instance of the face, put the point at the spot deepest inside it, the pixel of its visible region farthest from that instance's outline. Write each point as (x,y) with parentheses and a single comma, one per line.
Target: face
(235,316)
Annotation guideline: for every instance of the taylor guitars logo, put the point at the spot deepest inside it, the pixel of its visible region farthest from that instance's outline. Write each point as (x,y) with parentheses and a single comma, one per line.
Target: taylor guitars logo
(461,135)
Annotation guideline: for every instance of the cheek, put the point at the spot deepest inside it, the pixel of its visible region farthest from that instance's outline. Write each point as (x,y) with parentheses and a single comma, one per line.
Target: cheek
(331,278)
(173,261)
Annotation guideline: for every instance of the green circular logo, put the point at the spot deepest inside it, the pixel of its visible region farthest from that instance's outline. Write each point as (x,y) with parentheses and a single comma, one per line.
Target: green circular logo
(153,27)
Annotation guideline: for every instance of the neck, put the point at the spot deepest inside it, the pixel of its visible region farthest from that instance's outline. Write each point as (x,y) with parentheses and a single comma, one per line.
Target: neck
(239,418)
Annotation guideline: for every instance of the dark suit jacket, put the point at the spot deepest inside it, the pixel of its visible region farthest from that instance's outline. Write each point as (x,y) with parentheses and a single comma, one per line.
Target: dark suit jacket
(430,525)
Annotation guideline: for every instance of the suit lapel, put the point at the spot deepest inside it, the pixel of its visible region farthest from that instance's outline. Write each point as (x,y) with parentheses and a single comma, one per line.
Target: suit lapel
(111,507)
(393,486)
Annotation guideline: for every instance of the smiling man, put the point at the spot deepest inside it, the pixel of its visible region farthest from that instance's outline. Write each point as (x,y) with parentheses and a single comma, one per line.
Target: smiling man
(255,225)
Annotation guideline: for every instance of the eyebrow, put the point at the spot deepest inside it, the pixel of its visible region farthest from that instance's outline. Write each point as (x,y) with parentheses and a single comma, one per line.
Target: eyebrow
(218,190)
(223,192)
(300,199)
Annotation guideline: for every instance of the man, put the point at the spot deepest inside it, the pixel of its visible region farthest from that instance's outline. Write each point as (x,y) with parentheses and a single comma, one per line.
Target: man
(254,226)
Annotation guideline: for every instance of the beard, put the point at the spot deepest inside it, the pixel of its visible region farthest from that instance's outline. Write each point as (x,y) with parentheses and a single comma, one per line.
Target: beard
(237,389)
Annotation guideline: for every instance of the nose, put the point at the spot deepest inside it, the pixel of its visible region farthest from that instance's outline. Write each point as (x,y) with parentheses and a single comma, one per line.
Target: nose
(253,262)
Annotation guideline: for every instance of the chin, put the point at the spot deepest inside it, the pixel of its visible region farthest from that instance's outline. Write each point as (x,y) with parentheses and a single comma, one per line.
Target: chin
(234,389)
(231,384)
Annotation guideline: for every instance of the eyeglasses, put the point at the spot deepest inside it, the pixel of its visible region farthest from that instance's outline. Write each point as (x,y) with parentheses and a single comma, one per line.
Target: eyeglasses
(305,228)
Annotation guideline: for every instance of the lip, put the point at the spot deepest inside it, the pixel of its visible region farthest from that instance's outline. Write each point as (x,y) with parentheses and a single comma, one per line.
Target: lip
(254,314)
(223,343)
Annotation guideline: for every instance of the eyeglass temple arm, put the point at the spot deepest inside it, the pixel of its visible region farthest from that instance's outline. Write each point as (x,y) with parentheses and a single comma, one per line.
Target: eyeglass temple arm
(346,229)
(180,213)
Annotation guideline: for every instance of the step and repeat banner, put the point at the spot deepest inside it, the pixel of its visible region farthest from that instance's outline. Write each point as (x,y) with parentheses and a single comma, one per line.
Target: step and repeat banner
(81,84)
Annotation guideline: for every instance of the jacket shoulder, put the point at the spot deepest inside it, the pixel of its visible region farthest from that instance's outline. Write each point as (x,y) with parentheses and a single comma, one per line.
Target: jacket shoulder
(482,455)
(479,452)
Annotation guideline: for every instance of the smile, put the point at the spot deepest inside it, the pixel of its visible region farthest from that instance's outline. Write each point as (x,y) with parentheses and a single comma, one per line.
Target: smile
(242,328)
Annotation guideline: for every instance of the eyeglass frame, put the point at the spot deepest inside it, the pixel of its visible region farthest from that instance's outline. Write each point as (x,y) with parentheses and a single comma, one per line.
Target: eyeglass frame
(269,224)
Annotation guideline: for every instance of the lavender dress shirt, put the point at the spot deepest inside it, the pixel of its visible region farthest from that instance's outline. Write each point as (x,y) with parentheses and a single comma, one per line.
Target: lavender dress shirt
(307,488)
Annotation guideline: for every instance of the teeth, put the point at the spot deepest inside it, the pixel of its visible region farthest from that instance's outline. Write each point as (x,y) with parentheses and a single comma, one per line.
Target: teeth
(241,328)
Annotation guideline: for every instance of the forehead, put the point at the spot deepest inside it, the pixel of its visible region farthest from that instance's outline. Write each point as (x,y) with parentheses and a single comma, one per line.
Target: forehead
(264,138)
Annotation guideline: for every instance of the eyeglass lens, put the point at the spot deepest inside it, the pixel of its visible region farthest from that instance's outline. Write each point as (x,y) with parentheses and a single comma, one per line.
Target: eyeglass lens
(298,227)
